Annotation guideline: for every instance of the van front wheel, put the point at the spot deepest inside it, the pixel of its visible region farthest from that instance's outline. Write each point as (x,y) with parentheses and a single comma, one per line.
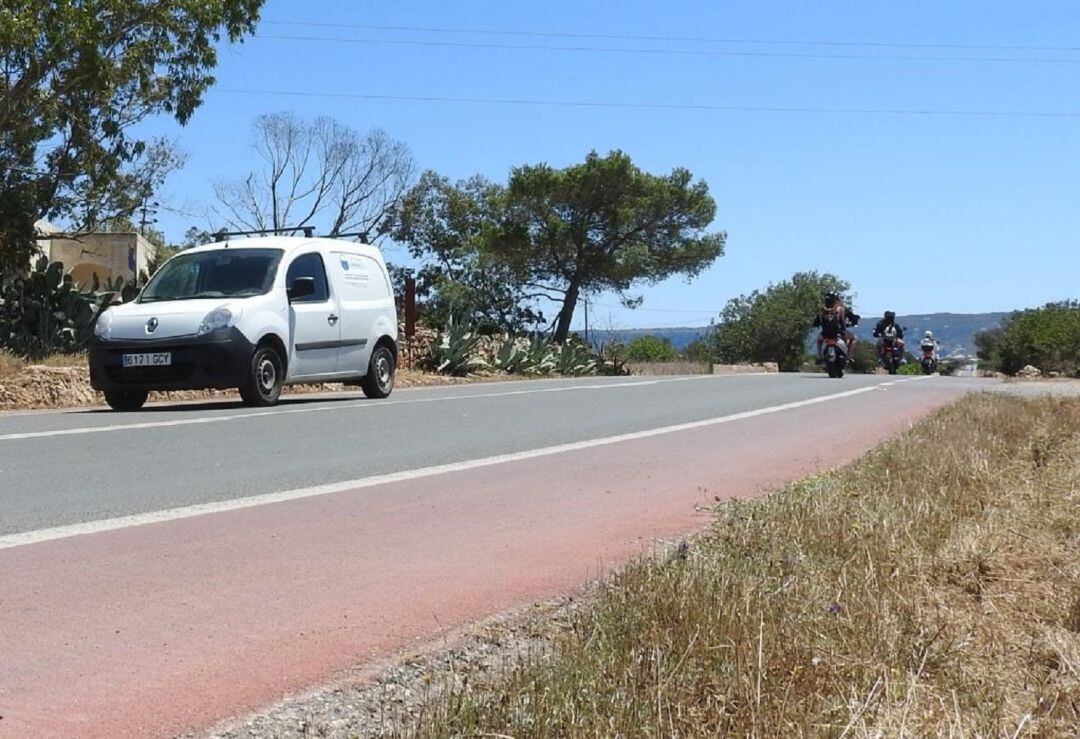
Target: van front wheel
(379,380)
(264,379)
(125,400)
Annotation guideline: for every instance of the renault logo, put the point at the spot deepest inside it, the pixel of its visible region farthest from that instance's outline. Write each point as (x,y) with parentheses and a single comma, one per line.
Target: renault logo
(151,325)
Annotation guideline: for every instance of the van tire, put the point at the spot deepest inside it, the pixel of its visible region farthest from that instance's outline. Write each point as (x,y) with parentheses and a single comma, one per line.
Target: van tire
(379,380)
(266,375)
(126,400)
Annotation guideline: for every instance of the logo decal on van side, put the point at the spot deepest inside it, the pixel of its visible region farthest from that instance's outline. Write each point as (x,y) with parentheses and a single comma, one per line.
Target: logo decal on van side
(356,270)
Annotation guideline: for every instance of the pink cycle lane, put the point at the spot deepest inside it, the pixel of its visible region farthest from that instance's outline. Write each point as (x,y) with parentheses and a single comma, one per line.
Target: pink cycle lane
(163,628)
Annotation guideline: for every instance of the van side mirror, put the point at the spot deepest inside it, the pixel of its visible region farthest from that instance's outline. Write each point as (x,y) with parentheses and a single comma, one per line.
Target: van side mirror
(301,287)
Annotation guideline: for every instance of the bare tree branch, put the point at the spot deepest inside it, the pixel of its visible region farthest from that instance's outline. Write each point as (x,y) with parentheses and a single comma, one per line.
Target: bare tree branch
(321,173)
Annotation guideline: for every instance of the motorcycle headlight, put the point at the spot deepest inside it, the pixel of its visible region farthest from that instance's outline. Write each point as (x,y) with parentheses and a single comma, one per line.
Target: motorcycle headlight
(218,319)
(103,325)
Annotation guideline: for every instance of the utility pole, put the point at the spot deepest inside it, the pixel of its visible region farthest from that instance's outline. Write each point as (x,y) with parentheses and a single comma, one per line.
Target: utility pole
(147,210)
(410,305)
(587,322)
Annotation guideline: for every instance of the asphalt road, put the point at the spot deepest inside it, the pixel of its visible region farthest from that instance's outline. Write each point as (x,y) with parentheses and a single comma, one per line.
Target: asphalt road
(165,570)
(72,467)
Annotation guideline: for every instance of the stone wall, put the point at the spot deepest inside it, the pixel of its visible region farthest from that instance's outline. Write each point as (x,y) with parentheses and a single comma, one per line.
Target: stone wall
(736,369)
(667,368)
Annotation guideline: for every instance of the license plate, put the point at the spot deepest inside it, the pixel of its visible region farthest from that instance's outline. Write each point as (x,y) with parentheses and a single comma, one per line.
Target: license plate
(156,359)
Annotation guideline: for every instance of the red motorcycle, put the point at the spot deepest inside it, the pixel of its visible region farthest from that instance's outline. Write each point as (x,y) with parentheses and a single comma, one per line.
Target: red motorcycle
(835,353)
(892,354)
(891,349)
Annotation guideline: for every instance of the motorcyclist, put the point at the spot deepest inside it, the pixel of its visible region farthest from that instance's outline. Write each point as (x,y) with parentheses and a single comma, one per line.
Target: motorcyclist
(834,318)
(929,342)
(887,327)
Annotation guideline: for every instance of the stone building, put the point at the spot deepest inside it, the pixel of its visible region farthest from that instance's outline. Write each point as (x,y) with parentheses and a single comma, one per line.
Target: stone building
(100,255)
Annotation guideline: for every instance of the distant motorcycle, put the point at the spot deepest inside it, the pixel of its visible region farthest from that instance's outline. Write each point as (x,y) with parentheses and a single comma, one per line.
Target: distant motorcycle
(928,361)
(835,354)
(892,353)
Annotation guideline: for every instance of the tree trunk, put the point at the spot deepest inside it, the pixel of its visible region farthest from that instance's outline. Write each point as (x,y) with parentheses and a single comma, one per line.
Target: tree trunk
(562,330)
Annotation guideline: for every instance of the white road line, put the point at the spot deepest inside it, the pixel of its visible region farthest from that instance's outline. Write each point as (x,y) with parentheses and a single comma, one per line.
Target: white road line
(341,406)
(172,514)
(338,396)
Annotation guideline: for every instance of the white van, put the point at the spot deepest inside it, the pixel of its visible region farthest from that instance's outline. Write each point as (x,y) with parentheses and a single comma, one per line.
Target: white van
(253,314)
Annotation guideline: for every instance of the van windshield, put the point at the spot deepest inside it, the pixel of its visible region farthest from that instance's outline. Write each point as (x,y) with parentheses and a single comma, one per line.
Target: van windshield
(221,273)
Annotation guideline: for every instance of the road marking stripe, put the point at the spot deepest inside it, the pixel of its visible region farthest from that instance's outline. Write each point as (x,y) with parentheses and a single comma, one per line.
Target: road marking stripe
(335,407)
(200,509)
(338,395)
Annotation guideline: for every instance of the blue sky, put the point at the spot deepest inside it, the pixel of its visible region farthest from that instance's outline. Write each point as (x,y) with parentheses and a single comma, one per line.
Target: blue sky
(922,213)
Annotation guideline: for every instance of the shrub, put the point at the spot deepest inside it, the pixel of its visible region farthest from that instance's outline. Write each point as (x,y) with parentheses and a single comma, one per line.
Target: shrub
(949,367)
(700,351)
(864,360)
(1047,337)
(612,357)
(651,348)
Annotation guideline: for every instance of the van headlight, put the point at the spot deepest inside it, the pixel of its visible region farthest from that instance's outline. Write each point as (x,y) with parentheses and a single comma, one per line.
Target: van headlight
(218,319)
(103,324)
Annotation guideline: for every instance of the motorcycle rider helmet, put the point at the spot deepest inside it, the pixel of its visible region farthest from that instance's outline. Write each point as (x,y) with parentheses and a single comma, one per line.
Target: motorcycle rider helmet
(831,299)
(928,335)
(889,316)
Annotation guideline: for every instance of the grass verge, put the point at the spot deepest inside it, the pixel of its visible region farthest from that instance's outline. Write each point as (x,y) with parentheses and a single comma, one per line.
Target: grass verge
(932,588)
(11,365)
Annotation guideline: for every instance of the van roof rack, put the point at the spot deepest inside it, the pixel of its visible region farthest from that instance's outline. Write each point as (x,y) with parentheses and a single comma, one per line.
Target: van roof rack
(362,235)
(309,232)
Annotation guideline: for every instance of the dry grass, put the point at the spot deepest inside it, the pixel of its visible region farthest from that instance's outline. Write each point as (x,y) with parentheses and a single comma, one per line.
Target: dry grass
(931,589)
(12,365)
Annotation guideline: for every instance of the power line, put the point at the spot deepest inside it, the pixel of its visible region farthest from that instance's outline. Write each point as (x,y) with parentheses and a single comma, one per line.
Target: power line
(684,39)
(669,52)
(597,326)
(704,107)
(655,310)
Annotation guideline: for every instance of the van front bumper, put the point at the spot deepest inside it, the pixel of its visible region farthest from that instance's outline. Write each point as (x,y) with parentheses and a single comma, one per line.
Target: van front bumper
(218,360)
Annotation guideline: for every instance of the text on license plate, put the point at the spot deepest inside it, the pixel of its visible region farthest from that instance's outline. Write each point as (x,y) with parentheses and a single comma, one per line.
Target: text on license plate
(155,359)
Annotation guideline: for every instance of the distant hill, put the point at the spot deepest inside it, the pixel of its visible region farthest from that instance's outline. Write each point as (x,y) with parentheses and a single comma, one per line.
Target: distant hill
(680,337)
(955,331)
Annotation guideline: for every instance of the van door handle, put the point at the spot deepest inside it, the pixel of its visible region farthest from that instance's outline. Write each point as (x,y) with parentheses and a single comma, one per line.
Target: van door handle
(332,319)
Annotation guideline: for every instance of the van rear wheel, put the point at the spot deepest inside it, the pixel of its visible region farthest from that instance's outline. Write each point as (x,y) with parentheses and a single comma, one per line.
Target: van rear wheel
(266,374)
(379,380)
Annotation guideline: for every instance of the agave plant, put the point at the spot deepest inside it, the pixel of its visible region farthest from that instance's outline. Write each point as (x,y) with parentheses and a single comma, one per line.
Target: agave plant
(511,355)
(537,356)
(540,357)
(454,351)
(575,358)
